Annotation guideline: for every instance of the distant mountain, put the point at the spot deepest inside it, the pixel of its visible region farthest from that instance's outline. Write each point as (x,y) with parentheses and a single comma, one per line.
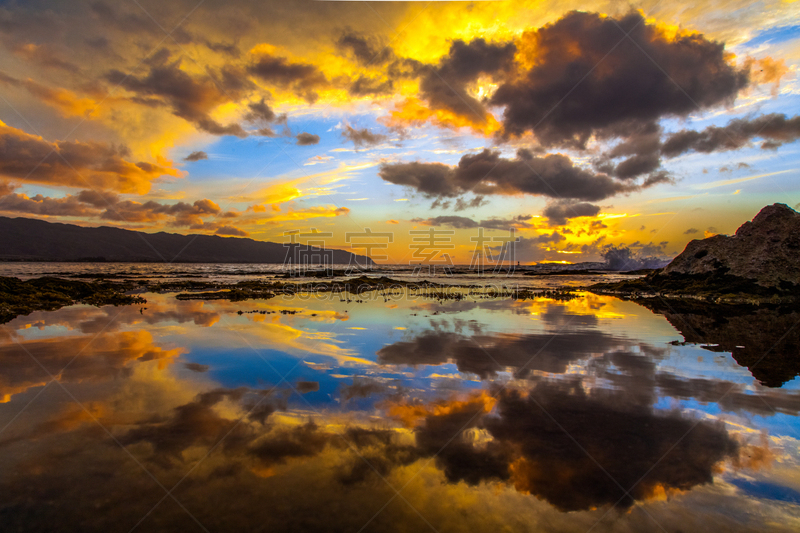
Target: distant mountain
(37,240)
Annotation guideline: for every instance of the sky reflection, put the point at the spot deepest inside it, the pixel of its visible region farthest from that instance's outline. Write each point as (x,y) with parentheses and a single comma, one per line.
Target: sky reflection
(317,413)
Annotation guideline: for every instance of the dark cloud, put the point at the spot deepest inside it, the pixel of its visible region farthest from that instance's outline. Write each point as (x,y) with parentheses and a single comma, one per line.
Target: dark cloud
(561,428)
(446,437)
(161,57)
(378,452)
(184,214)
(738,166)
(644,383)
(776,129)
(197,367)
(260,410)
(445,86)
(362,388)
(262,116)
(371,51)
(68,206)
(229,49)
(6,188)
(196,156)
(287,443)
(232,80)
(731,397)
(362,137)
(74,164)
(191,98)
(559,212)
(366,49)
(637,165)
(126,21)
(639,153)
(586,77)
(105,205)
(691,231)
(98,198)
(366,86)
(99,320)
(196,423)
(260,111)
(431,179)
(45,56)
(230,231)
(302,78)
(486,355)
(534,248)
(476,202)
(553,175)
(306,139)
(466,223)
(564,445)
(662,176)
(307,386)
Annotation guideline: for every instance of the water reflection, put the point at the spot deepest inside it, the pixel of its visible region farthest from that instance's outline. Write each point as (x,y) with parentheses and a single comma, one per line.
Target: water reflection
(577,450)
(322,415)
(763,339)
(486,355)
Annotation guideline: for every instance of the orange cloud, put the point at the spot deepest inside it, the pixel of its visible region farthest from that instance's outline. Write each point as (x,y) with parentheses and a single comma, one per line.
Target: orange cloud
(412,112)
(767,70)
(95,165)
(411,414)
(305,214)
(81,358)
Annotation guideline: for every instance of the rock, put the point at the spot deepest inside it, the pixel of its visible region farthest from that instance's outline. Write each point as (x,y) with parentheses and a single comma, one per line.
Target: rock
(764,339)
(765,250)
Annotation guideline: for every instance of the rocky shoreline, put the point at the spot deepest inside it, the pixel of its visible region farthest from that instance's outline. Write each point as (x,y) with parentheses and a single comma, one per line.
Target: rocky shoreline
(47,294)
(19,297)
(759,264)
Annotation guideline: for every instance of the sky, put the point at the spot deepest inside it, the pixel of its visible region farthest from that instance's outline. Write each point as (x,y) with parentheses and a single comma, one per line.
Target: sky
(570,126)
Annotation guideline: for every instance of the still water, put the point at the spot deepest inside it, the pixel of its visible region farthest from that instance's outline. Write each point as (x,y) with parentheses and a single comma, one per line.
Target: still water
(235,272)
(314,413)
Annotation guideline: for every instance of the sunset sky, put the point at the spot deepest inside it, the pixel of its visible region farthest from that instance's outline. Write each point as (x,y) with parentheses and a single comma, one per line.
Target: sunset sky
(579,124)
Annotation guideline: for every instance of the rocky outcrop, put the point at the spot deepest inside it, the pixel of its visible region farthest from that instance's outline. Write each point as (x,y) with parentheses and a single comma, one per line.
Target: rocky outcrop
(765,250)
(760,263)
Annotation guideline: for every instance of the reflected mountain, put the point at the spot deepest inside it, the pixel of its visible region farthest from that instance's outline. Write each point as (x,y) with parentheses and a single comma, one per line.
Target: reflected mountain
(763,339)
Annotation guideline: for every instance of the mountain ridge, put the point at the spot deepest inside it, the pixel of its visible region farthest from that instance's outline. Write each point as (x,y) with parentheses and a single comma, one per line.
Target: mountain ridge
(27,239)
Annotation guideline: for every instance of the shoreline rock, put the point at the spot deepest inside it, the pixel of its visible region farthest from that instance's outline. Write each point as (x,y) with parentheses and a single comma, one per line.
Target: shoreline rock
(19,297)
(759,264)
